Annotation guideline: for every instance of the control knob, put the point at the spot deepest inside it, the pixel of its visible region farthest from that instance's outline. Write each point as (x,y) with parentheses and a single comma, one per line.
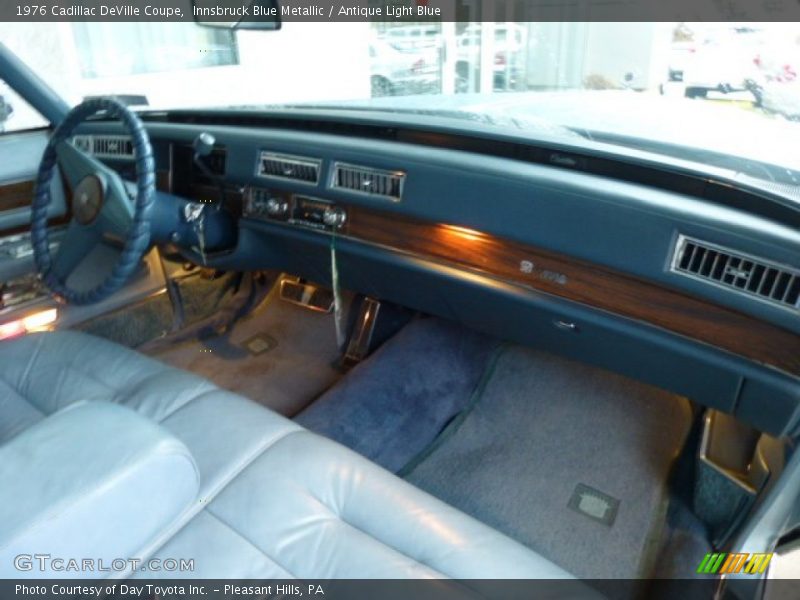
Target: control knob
(277,207)
(334,217)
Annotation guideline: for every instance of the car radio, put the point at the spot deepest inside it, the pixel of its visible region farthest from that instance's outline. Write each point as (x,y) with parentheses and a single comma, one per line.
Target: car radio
(296,209)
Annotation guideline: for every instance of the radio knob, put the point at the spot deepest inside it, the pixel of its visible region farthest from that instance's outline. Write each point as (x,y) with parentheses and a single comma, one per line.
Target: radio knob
(334,217)
(276,207)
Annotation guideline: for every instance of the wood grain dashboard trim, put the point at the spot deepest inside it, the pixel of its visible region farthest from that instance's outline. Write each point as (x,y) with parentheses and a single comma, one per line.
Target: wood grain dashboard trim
(16,195)
(582,282)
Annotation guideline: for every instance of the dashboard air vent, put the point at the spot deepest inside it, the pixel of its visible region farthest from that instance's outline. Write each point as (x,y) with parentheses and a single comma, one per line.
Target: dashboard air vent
(755,277)
(285,166)
(105,146)
(365,180)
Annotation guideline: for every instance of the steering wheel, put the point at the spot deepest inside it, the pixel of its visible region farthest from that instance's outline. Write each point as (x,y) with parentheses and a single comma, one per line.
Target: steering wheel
(101,205)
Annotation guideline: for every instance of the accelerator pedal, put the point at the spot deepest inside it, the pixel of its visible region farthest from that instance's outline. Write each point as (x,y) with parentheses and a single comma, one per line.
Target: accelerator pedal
(361,339)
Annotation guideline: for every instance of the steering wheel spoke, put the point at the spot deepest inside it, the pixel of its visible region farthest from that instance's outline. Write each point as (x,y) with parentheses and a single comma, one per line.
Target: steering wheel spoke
(99,195)
(116,215)
(76,164)
(76,244)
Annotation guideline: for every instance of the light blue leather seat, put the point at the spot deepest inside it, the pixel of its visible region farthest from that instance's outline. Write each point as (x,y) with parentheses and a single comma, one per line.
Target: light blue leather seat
(270,500)
(88,470)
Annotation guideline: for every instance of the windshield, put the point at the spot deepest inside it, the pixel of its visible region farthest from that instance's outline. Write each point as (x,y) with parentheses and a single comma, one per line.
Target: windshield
(724,94)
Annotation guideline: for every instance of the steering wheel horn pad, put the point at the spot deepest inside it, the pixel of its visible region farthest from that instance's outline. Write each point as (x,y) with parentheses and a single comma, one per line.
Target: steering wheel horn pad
(87,199)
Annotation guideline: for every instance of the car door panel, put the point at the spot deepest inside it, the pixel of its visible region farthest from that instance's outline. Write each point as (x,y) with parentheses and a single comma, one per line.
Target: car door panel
(20,154)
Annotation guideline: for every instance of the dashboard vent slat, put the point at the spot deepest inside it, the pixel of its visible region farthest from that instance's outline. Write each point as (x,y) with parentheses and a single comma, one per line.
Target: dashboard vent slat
(369,181)
(105,146)
(755,277)
(286,166)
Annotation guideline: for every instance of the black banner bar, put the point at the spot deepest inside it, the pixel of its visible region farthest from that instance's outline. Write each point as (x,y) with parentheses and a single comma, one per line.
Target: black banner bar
(399,10)
(701,588)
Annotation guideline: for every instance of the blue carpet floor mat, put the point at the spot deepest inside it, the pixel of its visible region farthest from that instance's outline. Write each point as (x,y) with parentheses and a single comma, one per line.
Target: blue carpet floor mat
(393,405)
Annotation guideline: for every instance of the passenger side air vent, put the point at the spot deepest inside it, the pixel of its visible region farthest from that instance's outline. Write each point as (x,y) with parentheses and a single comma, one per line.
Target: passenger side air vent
(755,277)
(105,146)
(365,180)
(285,166)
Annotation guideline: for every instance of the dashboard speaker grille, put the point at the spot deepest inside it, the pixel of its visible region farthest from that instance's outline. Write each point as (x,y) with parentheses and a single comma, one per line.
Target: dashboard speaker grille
(285,166)
(105,146)
(365,180)
(750,275)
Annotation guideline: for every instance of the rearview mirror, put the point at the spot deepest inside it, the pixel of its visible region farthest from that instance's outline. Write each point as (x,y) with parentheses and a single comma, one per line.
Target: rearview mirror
(259,14)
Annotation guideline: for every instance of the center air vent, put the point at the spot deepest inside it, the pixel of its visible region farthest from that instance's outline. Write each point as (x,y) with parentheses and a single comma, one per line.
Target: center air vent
(105,146)
(365,180)
(755,277)
(285,166)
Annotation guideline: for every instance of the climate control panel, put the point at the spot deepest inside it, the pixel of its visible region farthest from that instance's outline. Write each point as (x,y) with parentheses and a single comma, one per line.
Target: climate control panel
(295,209)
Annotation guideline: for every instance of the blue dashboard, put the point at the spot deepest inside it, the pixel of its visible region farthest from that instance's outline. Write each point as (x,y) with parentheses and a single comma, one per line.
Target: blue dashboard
(663,271)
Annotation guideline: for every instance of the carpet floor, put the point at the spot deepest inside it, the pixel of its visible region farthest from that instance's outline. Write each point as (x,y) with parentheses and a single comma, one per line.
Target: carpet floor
(570,460)
(282,356)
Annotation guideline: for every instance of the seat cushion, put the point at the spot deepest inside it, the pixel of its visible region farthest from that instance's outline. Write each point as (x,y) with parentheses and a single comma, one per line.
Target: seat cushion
(274,499)
(42,373)
(91,468)
(311,508)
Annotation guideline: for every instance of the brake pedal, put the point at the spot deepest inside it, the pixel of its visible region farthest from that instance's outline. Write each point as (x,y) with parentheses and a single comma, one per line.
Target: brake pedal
(307,295)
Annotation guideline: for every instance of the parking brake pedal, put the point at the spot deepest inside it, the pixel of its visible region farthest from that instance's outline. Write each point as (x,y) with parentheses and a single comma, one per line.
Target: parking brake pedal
(307,295)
